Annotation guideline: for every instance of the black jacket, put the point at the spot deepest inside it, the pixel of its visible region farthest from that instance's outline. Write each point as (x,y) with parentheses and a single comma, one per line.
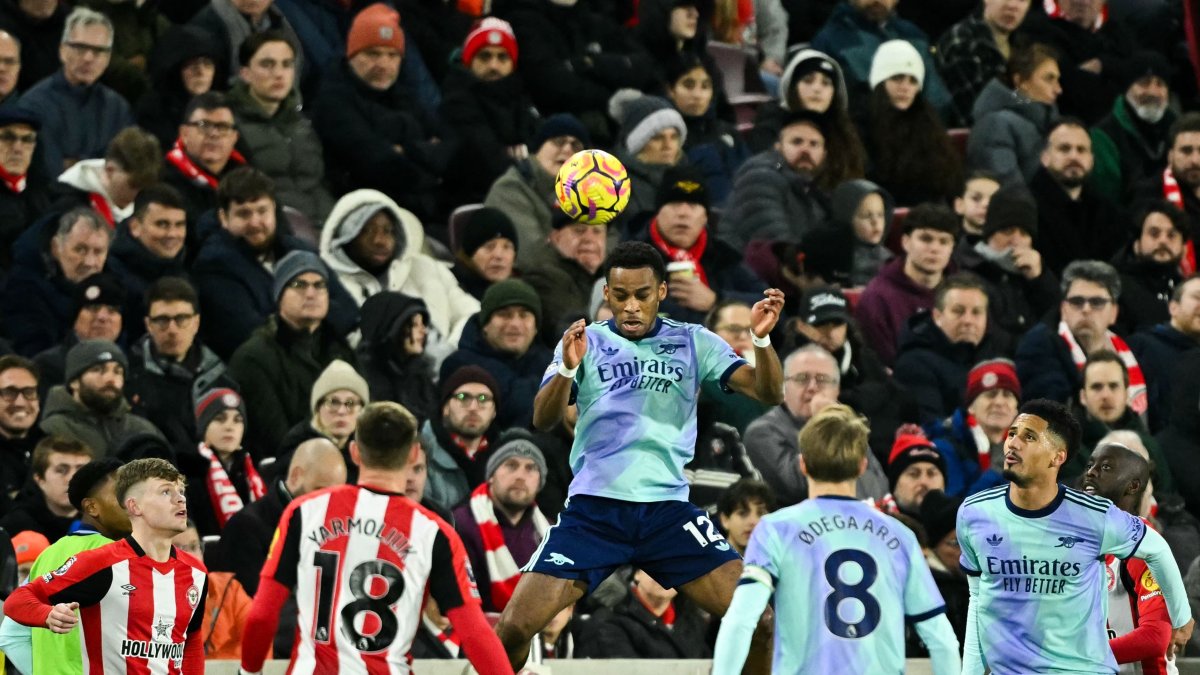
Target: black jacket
(1146,288)
(934,368)
(137,268)
(1159,350)
(1091,228)
(30,512)
(16,470)
(1180,441)
(36,301)
(1045,366)
(1015,302)
(165,391)
(391,374)
(630,631)
(39,44)
(20,210)
(160,111)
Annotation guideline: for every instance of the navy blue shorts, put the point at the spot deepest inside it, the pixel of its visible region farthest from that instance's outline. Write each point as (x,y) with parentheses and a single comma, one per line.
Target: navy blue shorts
(674,542)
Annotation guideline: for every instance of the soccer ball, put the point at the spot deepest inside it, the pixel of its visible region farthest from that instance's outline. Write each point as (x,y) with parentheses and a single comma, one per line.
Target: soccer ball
(592,187)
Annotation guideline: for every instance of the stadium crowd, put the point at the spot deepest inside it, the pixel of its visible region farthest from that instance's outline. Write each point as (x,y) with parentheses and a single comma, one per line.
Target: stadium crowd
(227,226)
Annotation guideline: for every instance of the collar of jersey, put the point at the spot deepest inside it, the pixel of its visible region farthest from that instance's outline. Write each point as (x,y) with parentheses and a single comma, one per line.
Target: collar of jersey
(612,325)
(138,549)
(1037,513)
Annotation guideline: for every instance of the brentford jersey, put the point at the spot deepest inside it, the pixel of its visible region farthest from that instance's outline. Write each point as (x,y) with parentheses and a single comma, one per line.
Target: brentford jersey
(360,561)
(136,614)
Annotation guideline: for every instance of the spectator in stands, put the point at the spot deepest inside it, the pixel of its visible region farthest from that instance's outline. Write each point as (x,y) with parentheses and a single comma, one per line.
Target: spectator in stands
(338,396)
(651,142)
(1179,183)
(669,29)
(99,304)
(813,81)
(372,244)
(485,104)
(905,285)
(25,195)
(740,508)
(972,439)
(150,245)
(938,348)
(375,133)
(184,64)
(566,274)
(974,51)
(713,144)
(137,29)
(277,138)
(110,184)
(79,115)
(652,622)
(459,439)
(278,365)
(227,606)
(203,154)
(19,433)
(1180,441)
(972,205)
(170,367)
(1130,143)
(1013,115)
(487,250)
(915,468)
(1149,265)
(1074,220)
(48,509)
(525,192)
(938,516)
(28,545)
(91,406)
(391,355)
(775,195)
(53,258)
(234,269)
(501,525)
(38,26)
(857,28)
(1051,356)
(10,67)
(1020,289)
(220,473)
(231,22)
(811,382)
(1160,348)
(862,211)
(502,339)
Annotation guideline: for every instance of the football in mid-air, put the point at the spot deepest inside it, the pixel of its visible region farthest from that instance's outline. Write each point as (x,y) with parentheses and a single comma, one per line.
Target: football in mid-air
(592,187)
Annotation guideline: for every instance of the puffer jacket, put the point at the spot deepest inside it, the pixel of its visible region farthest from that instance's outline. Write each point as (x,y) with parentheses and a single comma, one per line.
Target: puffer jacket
(771,202)
(1009,133)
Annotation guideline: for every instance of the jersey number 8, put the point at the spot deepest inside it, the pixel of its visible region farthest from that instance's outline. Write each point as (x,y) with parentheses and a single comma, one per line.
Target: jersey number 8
(364,601)
(856,591)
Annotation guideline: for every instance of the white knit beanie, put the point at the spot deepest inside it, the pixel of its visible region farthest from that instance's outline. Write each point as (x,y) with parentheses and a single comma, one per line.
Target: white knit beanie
(897,57)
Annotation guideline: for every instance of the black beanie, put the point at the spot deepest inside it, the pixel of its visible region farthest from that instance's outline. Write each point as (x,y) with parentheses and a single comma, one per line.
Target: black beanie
(483,226)
(1011,206)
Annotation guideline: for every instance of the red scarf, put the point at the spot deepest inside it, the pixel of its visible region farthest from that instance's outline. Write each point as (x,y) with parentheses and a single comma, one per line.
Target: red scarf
(676,254)
(668,615)
(1053,11)
(15,184)
(100,204)
(466,448)
(501,567)
(1137,381)
(983,445)
(224,496)
(194,172)
(1173,194)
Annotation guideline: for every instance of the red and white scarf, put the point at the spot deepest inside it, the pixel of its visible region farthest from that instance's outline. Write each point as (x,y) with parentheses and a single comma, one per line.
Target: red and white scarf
(1137,381)
(449,639)
(1173,194)
(502,569)
(15,184)
(100,204)
(224,495)
(983,445)
(178,158)
(676,254)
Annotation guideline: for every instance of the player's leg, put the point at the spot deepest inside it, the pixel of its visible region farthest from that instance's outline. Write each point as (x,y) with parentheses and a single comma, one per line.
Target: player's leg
(536,600)
(714,591)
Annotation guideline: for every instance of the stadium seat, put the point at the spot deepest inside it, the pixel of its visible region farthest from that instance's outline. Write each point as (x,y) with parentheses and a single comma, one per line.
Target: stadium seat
(458,220)
(958,138)
(302,226)
(735,63)
(896,230)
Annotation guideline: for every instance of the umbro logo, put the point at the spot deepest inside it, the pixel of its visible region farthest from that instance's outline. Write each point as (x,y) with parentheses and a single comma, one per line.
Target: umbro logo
(609,351)
(129,589)
(994,540)
(559,559)
(669,348)
(1068,542)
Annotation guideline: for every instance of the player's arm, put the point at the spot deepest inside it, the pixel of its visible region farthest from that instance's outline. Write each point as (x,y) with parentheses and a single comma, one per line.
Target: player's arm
(552,399)
(1157,554)
(972,662)
(451,586)
(277,579)
(737,626)
(925,610)
(762,382)
(939,638)
(16,641)
(50,601)
(193,648)
(1150,638)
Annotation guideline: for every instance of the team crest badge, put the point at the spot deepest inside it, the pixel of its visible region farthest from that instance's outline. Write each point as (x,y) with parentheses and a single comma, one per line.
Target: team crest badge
(65,566)
(193,596)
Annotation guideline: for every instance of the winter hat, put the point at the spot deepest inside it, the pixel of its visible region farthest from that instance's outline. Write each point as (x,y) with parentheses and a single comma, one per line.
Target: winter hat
(806,61)
(28,545)
(15,115)
(938,515)
(517,445)
(293,265)
(682,184)
(483,226)
(469,375)
(645,116)
(338,375)
(92,353)
(1011,206)
(823,304)
(491,32)
(144,445)
(506,294)
(214,402)
(897,57)
(376,26)
(554,126)
(1145,63)
(989,375)
(908,450)
(101,288)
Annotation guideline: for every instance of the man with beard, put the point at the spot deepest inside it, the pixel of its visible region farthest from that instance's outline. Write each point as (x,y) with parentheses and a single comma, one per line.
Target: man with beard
(1160,348)
(501,525)
(915,468)
(1149,265)
(91,406)
(971,440)
(1179,182)
(19,408)
(1130,143)
(459,442)
(1075,221)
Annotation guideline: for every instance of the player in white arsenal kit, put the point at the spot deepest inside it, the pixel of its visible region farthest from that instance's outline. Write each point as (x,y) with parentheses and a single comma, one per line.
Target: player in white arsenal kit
(360,559)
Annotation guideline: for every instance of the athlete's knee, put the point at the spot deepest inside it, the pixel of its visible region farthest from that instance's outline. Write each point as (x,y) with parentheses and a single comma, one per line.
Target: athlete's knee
(513,631)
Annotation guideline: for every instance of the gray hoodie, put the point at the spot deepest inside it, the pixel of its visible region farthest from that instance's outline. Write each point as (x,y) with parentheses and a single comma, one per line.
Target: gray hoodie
(868,258)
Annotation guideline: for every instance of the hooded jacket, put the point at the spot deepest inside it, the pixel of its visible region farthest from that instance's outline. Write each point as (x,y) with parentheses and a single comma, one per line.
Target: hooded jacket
(868,258)
(411,272)
(161,110)
(1009,133)
(64,416)
(934,368)
(392,374)
(85,176)
(771,116)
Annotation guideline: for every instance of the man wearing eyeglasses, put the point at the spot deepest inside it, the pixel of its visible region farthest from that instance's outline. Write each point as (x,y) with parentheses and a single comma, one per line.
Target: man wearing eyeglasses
(460,440)
(204,152)
(81,115)
(23,197)
(19,408)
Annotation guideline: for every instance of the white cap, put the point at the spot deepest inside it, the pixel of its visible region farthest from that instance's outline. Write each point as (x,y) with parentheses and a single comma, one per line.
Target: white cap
(897,57)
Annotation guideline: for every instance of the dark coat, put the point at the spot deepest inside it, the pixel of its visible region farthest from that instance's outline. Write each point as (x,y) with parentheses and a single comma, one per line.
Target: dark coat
(1180,441)
(1094,430)
(39,44)
(519,377)
(934,368)
(1045,366)
(16,467)
(136,267)
(1015,302)
(52,364)
(1146,288)
(19,211)
(77,121)
(161,110)
(771,202)
(1159,350)
(30,512)
(252,529)
(37,300)
(630,631)
(1127,150)
(565,289)
(715,147)
(1090,228)
(1152,189)
(276,369)
(200,507)
(391,374)
(302,433)
(198,196)
(1008,134)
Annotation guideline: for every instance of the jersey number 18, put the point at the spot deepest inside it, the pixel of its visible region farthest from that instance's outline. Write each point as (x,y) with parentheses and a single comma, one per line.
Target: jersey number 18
(364,601)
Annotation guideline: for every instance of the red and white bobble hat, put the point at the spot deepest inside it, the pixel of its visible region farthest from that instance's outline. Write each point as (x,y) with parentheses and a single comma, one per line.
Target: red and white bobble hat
(491,32)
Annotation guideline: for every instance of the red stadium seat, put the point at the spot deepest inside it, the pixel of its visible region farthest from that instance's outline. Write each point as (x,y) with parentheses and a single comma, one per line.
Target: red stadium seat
(735,63)
(896,230)
(958,138)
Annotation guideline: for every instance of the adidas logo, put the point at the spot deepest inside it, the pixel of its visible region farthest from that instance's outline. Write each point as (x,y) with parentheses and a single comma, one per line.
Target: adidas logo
(994,540)
(609,351)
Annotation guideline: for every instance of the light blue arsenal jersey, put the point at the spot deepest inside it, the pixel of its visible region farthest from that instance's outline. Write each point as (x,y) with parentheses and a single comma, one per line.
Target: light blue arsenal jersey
(637,408)
(1043,595)
(846,579)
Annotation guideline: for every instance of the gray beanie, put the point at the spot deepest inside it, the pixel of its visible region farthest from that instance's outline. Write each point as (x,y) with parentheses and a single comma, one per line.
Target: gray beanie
(92,353)
(293,265)
(520,446)
(645,116)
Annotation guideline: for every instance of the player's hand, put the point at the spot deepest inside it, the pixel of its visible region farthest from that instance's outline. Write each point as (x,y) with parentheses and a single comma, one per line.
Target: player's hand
(62,617)
(574,344)
(765,313)
(691,293)
(1179,639)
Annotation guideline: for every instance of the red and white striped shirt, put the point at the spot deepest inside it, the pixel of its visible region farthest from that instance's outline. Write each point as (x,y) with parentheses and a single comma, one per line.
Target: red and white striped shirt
(361,562)
(137,616)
